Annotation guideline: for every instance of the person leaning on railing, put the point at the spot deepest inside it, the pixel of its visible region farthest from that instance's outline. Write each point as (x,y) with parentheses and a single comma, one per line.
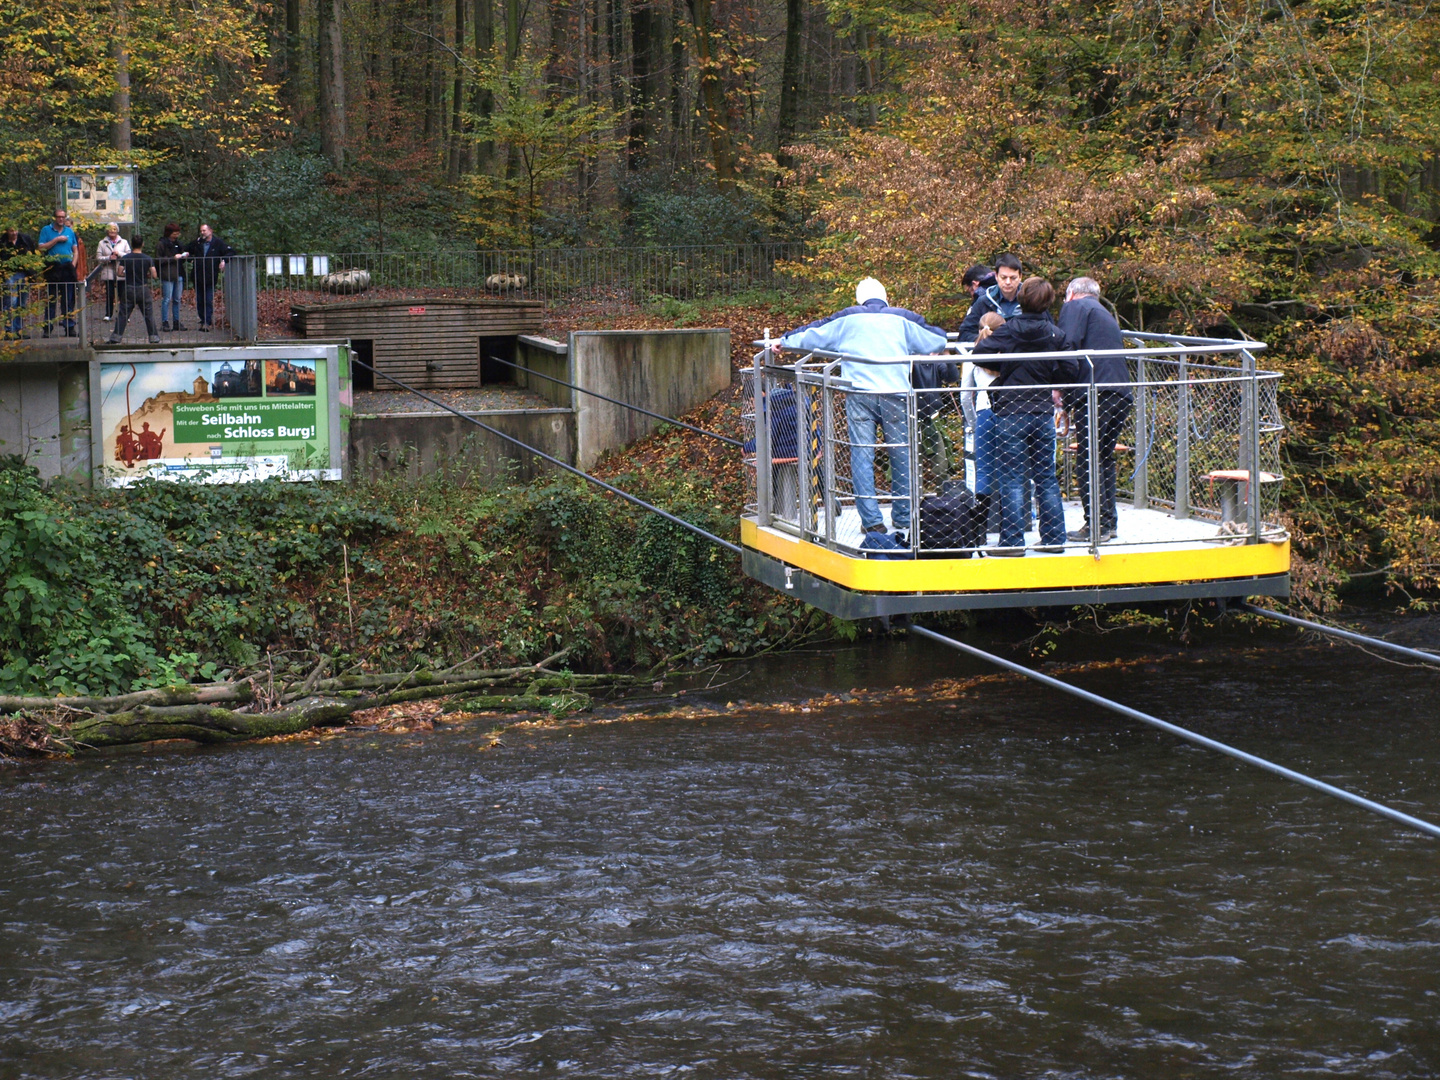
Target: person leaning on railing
(1025,417)
(59,243)
(17,251)
(1088,325)
(172,276)
(108,252)
(876,403)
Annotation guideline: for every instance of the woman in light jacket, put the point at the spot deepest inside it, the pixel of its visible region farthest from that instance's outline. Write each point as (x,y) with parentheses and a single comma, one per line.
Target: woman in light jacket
(108,253)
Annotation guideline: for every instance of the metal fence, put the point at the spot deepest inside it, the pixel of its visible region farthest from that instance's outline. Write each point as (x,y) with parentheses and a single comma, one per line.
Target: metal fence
(850,451)
(613,275)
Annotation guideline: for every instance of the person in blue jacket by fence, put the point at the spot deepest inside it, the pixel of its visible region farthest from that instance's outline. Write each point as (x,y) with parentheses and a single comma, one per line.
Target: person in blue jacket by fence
(875,406)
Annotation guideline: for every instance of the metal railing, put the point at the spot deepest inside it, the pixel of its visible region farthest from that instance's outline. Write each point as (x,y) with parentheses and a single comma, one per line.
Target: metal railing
(552,275)
(254,294)
(1186,451)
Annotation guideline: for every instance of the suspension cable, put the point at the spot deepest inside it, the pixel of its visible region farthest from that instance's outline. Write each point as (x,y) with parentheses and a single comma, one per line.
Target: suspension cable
(622,404)
(1186,733)
(1335,631)
(696,529)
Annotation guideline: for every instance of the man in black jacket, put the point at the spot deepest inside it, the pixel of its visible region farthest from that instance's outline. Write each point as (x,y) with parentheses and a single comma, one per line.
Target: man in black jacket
(1022,401)
(207,253)
(17,252)
(1088,325)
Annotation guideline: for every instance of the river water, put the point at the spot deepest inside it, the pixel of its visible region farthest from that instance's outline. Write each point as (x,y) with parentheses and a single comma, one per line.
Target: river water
(978,878)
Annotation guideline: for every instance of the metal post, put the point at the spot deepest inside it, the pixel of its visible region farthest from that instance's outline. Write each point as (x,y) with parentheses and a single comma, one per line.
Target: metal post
(912,435)
(1092,431)
(1182,443)
(804,461)
(1142,435)
(827,437)
(762,443)
(1251,439)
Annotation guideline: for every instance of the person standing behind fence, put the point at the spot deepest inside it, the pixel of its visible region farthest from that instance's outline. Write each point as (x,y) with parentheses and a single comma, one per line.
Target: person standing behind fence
(108,253)
(168,263)
(207,253)
(1003,297)
(139,270)
(17,250)
(876,404)
(1085,321)
(1025,418)
(59,243)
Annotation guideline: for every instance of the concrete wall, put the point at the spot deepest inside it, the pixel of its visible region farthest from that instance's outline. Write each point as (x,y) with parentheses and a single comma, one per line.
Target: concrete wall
(548,358)
(45,415)
(418,444)
(666,371)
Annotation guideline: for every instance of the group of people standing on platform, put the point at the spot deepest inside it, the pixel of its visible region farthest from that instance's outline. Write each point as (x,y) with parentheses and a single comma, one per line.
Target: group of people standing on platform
(1010,401)
(125,268)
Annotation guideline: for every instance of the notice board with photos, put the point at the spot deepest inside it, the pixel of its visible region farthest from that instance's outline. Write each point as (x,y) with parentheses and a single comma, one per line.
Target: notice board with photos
(223,415)
(97,196)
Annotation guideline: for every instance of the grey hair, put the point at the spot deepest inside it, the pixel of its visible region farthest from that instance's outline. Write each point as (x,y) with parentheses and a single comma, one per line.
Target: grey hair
(1083,286)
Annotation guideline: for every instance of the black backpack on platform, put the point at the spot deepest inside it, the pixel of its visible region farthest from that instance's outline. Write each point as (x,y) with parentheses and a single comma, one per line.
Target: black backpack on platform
(952,519)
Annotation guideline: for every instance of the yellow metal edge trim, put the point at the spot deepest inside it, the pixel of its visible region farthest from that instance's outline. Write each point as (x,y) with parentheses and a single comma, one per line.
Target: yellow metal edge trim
(1080,570)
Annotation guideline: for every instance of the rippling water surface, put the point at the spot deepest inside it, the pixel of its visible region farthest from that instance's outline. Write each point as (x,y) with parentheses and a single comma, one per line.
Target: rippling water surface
(1005,883)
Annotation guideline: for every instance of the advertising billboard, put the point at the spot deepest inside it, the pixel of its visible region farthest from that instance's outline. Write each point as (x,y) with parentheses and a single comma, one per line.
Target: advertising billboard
(219,415)
(99,196)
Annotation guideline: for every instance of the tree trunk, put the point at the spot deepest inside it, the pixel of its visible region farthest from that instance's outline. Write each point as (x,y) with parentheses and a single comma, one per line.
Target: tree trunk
(483,101)
(120,128)
(789,80)
(712,92)
(457,96)
(332,85)
(642,88)
(292,55)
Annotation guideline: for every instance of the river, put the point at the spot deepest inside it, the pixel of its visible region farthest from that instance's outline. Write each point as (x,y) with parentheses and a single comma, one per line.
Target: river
(982,878)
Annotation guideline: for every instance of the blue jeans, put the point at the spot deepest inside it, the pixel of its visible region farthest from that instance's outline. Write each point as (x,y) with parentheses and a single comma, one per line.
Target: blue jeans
(15,297)
(170,293)
(1025,450)
(867,415)
(984,451)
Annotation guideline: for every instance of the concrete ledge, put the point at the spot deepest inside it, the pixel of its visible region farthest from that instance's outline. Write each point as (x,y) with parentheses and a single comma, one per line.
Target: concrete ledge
(667,371)
(416,444)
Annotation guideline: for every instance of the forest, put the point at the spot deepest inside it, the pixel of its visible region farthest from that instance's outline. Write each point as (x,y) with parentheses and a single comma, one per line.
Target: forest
(1266,166)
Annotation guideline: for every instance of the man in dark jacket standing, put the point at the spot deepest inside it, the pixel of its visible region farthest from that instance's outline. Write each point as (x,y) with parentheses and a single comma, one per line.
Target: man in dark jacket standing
(1021,399)
(207,253)
(1003,296)
(1088,325)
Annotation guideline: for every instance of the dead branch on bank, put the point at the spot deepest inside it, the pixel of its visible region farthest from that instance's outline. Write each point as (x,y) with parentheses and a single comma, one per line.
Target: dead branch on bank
(203,713)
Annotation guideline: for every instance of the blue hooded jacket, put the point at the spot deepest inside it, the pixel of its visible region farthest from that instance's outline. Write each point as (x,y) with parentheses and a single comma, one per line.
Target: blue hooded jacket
(873,331)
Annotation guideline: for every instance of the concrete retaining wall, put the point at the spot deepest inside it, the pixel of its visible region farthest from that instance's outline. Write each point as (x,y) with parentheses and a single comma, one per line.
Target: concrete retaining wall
(417,444)
(547,357)
(45,415)
(666,371)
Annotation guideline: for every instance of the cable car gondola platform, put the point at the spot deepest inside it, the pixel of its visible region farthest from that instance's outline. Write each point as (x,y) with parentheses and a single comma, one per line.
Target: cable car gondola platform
(1201,420)
(1157,557)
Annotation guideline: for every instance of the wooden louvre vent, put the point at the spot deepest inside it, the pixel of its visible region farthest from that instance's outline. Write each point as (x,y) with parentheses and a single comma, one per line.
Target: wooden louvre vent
(430,344)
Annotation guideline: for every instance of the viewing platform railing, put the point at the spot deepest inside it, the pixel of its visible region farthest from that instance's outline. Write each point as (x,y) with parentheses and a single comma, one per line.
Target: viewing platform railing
(1196,428)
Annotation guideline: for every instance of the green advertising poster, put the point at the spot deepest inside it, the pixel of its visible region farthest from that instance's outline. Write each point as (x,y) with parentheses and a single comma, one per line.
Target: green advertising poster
(246,416)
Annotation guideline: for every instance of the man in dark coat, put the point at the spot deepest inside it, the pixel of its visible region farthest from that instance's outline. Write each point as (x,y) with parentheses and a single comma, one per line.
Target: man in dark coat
(1089,325)
(1001,297)
(1021,398)
(207,253)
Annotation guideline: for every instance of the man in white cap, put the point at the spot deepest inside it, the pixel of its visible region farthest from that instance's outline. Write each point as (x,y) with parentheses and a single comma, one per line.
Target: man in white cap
(875,407)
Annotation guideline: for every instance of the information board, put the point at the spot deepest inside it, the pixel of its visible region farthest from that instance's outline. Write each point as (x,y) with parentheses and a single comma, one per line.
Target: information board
(220,415)
(100,196)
